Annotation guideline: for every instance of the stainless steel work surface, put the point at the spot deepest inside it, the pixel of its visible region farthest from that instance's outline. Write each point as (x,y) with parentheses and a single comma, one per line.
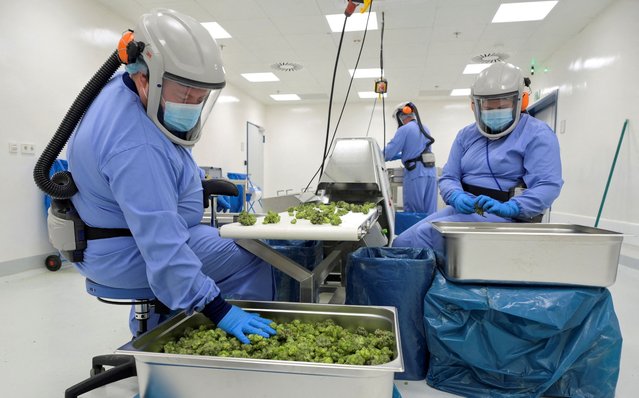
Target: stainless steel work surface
(530,253)
(194,376)
(353,227)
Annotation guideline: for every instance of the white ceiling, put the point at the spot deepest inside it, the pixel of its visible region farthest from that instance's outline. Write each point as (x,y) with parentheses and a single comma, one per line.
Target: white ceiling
(423,57)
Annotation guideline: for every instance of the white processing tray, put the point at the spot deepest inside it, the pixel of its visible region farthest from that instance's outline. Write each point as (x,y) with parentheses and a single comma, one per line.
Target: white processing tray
(353,227)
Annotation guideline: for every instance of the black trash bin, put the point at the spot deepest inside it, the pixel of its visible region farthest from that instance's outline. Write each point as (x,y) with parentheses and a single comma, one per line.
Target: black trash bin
(307,253)
(397,277)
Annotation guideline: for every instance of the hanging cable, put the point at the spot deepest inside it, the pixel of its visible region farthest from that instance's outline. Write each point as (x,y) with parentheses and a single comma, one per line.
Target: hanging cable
(327,146)
(381,68)
(371,119)
(330,99)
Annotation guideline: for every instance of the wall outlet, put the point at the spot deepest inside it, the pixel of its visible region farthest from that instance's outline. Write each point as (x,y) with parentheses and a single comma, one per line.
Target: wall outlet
(13,147)
(27,148)
(562,126)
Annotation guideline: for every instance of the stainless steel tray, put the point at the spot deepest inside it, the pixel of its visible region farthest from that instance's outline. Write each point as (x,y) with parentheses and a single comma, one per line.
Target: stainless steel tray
(193,376)
(530,253)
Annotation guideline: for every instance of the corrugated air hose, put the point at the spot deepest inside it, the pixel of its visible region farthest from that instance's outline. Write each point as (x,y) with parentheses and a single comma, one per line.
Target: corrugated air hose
(61,185)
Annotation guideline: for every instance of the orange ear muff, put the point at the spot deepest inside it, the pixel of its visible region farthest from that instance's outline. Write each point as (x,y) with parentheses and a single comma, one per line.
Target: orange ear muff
(123,44)
(407,110)
(524,101)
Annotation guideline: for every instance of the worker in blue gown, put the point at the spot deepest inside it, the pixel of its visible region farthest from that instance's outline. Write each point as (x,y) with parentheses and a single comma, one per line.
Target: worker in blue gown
(506,164)
(412,144)
(131,160)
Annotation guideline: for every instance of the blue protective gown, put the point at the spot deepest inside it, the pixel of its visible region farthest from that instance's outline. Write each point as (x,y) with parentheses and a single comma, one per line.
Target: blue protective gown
(529,153)
(130,175)
(420,184)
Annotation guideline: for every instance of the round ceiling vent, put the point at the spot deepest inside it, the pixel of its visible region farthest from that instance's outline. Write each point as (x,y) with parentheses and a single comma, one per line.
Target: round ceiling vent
(286,66)
(490,57)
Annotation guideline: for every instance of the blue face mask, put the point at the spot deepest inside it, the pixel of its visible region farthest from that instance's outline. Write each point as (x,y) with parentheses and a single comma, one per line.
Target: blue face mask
(181,117)
(497,119)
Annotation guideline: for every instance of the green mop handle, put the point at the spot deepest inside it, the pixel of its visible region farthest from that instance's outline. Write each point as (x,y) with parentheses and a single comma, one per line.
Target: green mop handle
(612,169)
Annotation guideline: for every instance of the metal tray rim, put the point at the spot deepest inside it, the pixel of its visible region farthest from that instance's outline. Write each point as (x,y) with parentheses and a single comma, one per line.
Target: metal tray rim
(441,227)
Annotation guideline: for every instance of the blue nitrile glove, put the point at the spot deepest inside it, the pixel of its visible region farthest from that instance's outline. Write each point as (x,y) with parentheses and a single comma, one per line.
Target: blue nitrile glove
(462,202)
(239,322)
(233,320)
(506,210)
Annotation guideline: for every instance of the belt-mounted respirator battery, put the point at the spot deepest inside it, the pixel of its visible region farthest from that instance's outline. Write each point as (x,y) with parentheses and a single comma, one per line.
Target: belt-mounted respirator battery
(66,230)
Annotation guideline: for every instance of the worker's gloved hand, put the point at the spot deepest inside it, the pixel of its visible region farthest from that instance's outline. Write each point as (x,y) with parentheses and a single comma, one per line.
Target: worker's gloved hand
(233,320)
(239,323)
(462,202)
(506,210)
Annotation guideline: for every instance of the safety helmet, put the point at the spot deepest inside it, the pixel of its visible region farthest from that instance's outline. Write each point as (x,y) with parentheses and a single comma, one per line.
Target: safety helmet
(404,111)
(497,95)
(185,73)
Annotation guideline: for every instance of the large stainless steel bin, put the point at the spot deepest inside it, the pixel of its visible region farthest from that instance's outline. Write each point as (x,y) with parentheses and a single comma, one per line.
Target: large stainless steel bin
(194,376)
(530,253)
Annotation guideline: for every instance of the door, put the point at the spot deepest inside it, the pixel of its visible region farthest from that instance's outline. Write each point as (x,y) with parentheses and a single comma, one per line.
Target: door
(255,161)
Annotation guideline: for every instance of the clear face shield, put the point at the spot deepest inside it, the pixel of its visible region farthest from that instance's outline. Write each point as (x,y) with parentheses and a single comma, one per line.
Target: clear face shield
(495,114)
(184,107)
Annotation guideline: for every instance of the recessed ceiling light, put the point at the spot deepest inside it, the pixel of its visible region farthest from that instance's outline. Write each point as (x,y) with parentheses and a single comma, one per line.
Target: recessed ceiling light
(472,69)
(363,73)
(458,92)
(355,23)
(216,30)
(285,97)
(227,98)
(519,12)
(260,77)
(368,94)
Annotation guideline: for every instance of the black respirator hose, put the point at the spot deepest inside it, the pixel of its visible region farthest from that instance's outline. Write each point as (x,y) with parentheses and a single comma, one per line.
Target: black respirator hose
(63,187)
(421,128)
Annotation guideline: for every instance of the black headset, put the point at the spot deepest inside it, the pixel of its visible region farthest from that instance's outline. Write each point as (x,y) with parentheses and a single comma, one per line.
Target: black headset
(128,49)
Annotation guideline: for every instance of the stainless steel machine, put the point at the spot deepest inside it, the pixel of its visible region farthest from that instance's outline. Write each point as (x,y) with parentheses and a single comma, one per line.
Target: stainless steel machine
(356,172)
(396,180)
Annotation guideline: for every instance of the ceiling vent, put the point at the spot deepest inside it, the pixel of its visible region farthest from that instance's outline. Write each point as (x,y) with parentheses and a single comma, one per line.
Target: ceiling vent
(490,57)
(286,66)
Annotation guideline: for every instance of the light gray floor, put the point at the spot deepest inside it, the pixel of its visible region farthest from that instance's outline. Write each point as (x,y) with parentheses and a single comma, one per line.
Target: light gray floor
(51,328)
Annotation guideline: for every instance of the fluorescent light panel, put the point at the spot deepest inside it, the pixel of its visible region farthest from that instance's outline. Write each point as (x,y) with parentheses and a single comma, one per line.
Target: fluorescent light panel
(458,92)
(472,69)
(519,12)
(216,30)
(285,97)
(365,73)
(368,94)
(260,77)
(355,23)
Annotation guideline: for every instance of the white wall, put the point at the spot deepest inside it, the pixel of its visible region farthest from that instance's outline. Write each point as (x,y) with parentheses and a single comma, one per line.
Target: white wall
(223,142)
(48,51)
(596,72)
(296,133)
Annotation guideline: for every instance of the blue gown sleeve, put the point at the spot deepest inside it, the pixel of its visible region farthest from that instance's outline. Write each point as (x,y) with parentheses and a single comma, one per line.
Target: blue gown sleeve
(451,177)
(393,150)
(143,183)
(542,165)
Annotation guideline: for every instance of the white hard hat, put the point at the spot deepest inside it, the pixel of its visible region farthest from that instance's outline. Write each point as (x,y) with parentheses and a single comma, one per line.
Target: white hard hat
(497,97)
(183,61)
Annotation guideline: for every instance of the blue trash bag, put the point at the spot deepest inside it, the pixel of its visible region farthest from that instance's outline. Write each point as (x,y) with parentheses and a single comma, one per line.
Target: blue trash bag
(405,220)
(307,253)
(521,341)
(237,202)
(58,165)
(397,277)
